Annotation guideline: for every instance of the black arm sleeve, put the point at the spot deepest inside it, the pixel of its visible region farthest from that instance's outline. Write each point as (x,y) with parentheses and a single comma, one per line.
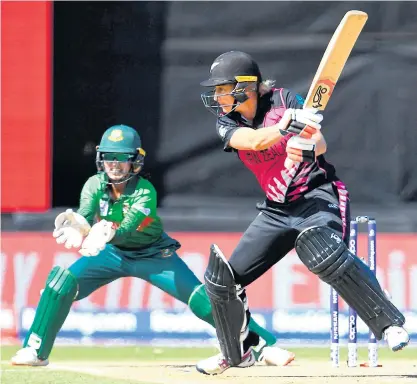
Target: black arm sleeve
(226,127)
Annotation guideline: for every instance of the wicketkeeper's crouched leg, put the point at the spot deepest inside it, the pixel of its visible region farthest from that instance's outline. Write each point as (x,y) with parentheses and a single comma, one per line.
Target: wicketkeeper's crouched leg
(60,291)
(63,286)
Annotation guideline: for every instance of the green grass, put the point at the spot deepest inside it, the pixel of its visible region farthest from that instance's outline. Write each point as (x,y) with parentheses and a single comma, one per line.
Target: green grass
(118,353)
(147,353)
(25,375)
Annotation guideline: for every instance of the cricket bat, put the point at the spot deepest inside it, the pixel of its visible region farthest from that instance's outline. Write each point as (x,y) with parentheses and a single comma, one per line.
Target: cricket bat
(333,61)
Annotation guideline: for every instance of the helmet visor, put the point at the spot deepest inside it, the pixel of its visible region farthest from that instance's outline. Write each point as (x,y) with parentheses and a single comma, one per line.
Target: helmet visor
(121,157)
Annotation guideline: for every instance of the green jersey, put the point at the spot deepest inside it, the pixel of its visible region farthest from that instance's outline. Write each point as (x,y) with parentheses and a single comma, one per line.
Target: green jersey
(134,212)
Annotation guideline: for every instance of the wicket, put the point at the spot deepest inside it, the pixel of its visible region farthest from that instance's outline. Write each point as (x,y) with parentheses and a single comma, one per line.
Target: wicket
(334,303)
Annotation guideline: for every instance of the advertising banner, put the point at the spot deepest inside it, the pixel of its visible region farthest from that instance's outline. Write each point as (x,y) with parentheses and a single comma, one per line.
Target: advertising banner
(169,326)
(27,258)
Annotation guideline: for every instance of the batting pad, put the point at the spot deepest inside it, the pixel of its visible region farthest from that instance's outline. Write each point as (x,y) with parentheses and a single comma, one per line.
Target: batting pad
(229,311)
(53,308)
(326,255)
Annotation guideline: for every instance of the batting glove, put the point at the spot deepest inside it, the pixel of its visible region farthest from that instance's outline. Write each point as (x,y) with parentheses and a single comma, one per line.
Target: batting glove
(301,150)
(303,122)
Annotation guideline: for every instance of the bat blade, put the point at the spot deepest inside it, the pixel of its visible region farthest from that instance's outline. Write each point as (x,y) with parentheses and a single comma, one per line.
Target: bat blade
(334,59)
(333,62)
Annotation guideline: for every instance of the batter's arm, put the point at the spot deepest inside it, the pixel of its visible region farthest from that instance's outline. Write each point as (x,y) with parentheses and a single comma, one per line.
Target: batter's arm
(258,139)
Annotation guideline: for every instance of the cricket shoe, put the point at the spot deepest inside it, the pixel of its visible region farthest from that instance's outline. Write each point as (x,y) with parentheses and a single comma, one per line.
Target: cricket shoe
(273,355)
(269,354)
(28,356)
(396,337)
(217,364)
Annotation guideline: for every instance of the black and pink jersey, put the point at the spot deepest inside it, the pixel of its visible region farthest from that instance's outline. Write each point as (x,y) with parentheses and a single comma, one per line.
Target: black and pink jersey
(280,184)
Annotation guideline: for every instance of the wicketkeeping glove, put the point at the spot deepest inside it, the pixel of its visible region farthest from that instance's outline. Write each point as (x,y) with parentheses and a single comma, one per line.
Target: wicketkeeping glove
(100,234)
(70,229)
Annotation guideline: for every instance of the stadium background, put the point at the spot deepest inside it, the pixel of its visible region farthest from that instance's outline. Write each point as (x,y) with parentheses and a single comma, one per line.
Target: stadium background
(70,70)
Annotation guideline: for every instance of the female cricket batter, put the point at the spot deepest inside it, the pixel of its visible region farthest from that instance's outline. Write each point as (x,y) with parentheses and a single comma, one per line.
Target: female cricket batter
(128,240)
(306,208)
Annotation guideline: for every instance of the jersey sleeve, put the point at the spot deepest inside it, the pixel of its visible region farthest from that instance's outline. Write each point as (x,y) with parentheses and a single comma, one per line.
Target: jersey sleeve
(88,199)
(141,207)
(226,127)
(292,100)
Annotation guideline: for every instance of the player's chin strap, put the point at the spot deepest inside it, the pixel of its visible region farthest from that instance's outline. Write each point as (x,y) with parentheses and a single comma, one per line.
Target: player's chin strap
(130,176)
(229,306)
(239,93)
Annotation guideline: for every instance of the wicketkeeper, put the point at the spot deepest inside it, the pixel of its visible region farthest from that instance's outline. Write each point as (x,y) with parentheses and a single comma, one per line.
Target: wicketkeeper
(127,241)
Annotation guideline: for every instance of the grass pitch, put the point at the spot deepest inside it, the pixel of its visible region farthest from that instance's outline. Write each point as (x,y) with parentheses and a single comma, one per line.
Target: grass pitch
(150,365)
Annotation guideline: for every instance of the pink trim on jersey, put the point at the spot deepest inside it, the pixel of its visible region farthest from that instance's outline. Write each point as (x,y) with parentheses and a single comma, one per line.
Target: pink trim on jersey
(281,96)
(343,201)
(279,183)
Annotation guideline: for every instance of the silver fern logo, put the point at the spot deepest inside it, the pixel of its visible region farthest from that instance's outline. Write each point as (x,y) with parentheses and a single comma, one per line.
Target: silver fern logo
(214,65)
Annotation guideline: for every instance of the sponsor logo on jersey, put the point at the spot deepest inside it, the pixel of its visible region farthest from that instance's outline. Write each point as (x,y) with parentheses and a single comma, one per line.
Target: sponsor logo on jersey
(104,207)
(300,99)
(167,252)
(145,211)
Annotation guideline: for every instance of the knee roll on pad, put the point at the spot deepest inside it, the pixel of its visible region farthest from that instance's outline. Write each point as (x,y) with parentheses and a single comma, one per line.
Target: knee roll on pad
(218,270)
(62,283)
(325,254)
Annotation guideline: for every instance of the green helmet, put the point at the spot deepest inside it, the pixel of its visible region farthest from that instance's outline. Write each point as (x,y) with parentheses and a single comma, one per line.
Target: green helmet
(121,139)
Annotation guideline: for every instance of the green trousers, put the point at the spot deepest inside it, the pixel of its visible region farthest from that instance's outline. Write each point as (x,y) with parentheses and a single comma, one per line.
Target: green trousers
(163,269)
